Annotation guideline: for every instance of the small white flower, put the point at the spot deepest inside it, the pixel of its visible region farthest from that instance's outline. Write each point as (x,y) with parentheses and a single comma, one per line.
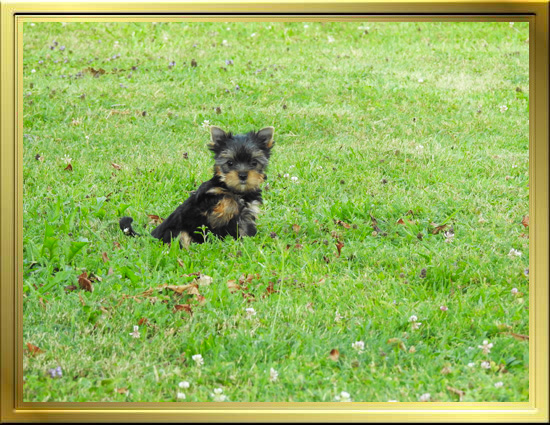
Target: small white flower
(425,397)
(198,359)
(250,312)
(218,395)
(273,375)
(486,347)
(514,291)
(183,384)
(498,384)
(358,346)
(392,401)
(224,42)
(514,253)
(471,364)
(306,26)
(294,179)
(135,334)
(253,34)
(449,236)
(485,365)
(421,80)
(511,24)
(343,397)
(33,70)
(419,147)
(32,24)
(416,325)
(338,316)
(67,159)
(503,108)
(514,166)
(181,396)
(330,39)
(413,318)
(286,175)
(205,124)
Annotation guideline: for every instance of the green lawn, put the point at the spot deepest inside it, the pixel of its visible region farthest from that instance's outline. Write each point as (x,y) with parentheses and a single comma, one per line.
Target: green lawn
(384,132)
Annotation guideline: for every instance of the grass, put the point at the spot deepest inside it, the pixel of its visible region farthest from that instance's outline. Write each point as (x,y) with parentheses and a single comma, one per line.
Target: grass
(403,122)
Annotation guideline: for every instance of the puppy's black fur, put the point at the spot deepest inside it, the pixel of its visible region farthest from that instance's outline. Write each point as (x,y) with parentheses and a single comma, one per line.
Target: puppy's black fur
(227,204)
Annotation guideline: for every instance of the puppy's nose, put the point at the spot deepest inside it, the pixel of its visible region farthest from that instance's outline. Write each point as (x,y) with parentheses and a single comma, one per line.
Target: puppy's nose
(243,175)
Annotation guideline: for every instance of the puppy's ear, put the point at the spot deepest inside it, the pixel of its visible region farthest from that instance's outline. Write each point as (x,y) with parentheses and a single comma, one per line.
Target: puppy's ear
(265,137)
(218,138)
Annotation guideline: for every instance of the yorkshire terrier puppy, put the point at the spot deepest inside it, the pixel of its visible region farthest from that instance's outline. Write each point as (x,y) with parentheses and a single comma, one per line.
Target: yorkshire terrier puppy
(228,203)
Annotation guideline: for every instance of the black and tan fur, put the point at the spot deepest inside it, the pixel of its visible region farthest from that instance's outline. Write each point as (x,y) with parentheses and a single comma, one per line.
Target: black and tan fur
(228,203)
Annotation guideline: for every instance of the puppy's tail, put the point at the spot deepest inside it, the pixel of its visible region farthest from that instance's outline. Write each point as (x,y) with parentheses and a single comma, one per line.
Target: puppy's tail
(125,224)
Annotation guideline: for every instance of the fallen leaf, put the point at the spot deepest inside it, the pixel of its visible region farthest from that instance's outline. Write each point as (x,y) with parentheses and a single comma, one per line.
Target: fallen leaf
(398,342)
(104,257)
(95,72)
(519,337)
(116,245)
(142,321)
(339,247)
(183,307)
(116,166)
(459,393)
(201,299)
(70,288)
(68,168)
(270,289)
(400,221)
(334,355)
(296,228)
(203,280)
(525,220)
(190,289)
(437,228)
(343,224)
(85,283)
(122,390)
(374,223)
(155,219)
(33,349)
(233,286)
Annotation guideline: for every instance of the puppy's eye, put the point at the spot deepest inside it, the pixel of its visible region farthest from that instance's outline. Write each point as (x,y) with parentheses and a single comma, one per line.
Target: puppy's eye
(230,163)
(254,163)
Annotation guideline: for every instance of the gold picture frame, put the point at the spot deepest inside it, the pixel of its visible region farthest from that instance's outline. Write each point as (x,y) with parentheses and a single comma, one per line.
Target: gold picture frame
(12,407)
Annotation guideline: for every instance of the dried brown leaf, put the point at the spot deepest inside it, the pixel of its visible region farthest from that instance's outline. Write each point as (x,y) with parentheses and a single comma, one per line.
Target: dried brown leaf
(458,392)
(183,307)
(339,247)
(525,220)
(104,257)
(343,224)
(155,219)
(334,355)
(437,229)
(85,283)
(33,349)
